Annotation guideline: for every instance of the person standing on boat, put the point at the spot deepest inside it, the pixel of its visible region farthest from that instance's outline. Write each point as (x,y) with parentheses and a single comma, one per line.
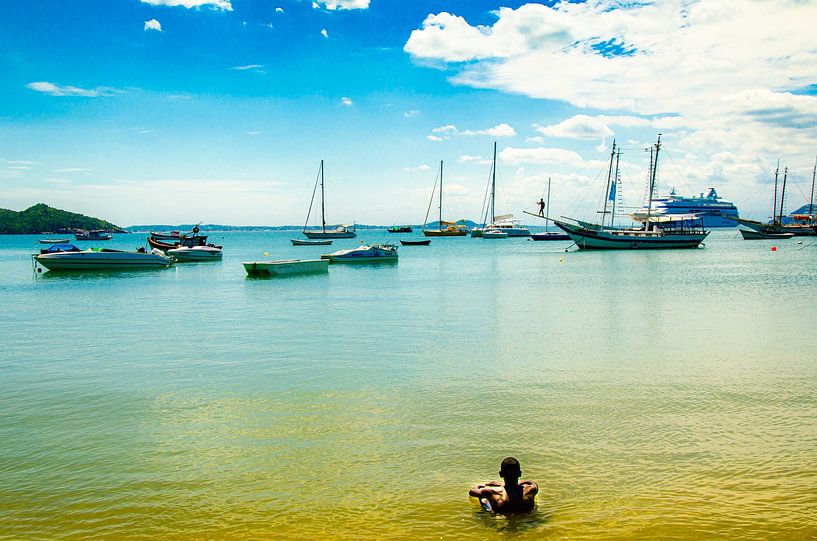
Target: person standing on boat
(513,497)
(541,204)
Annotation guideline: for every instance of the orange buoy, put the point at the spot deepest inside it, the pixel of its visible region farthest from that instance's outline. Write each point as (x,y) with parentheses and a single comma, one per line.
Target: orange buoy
(774,248)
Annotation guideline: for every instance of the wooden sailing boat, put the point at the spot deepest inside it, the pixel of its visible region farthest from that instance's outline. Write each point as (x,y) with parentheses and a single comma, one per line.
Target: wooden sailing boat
(673,231)
(451,228)
(340,232)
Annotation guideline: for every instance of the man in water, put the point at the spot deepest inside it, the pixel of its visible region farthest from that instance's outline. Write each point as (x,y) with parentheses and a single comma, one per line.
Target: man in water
(514,497)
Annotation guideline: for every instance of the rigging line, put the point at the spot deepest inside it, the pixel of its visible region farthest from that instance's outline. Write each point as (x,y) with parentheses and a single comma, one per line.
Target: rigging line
(679,171)
(311,201)
(431,199)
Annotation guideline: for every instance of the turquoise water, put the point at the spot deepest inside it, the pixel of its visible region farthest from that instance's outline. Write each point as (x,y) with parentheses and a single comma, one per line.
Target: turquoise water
(664,394)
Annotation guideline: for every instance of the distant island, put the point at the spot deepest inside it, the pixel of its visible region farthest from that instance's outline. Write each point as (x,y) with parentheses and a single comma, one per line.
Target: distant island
(41,218)
(221,227)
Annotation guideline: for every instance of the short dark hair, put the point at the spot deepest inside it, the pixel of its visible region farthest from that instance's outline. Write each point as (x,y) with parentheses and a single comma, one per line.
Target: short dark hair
(510,466)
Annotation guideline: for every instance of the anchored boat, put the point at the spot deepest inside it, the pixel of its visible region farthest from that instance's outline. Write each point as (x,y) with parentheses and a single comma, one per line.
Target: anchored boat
(452,229)
(101,259)
(196,253)
(284,267)
(340,232)
(364,254)
(505,223)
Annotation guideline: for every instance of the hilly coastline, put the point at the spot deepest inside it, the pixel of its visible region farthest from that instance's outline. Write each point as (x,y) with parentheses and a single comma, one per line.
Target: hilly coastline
(41,218)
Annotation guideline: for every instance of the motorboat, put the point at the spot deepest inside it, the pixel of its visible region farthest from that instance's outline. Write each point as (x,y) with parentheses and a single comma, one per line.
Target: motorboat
(54,241)
(191,241)
(400,229)
(494,234)
(101,259)
(364,254)
(195,253)
(95,234)
(283,267)
(166,235)
(310,242)
(550,235)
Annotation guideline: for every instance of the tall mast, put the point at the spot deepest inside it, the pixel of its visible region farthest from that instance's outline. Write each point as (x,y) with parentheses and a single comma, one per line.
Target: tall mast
(547,212)
(652,182)
(783,193)
(607,191)
(774,201)
(323,203)
(493,188)
(441,196)
(811,201)
(615,193)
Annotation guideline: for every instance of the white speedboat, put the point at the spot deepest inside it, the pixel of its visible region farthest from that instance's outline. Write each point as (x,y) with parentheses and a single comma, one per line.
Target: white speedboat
(364,254)
(283,267)
(494,234)
(96,234)
(101,259)
(195,253)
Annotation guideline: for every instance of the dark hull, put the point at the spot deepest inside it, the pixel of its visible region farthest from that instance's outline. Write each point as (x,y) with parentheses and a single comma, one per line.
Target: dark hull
(757,235)
(424,242)
(590,239)
(550,236)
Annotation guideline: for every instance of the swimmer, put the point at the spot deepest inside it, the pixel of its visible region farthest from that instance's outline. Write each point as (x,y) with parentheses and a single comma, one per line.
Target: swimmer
(513,497)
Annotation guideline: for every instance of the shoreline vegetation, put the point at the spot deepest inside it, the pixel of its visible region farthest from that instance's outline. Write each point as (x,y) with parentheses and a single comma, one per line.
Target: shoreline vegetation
(42,219)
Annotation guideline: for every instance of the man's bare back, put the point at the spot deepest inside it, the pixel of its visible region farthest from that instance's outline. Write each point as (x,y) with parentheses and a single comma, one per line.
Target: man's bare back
(513,497)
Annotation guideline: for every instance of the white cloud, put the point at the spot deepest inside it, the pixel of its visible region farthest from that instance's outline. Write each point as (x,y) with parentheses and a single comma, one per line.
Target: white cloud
(500,130)
(279,10)
(257,68)
(57,90)
(418,169)
(346,101)
(448,129)
(435,138)
(71,170)
(153,25)
(223,5)
(410,114)
(479,160)
(333,5)
(540,155)
(324,32)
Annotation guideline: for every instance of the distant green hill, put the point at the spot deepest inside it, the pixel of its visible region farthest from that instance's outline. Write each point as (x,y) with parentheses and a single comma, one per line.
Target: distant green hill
(42,219)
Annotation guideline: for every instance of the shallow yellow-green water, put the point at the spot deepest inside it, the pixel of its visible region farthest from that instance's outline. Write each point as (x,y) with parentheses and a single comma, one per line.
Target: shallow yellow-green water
(651,395)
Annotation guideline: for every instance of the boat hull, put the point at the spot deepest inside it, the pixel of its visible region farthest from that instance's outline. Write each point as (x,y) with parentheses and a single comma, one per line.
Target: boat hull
(751,234)
(550,236)
(588,239)
(444,233)
(330,234)
(54,241)
(204,253)
(494,235)
(424,242)
(105,260)
(402,229)
(285,267)
(315,242)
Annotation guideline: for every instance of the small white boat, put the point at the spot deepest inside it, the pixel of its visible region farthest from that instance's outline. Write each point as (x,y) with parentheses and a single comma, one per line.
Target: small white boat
(195,253)
(283,267)
(95,234)
(310,242)
(364,254)
(494,234)
(54,241)
(101,259)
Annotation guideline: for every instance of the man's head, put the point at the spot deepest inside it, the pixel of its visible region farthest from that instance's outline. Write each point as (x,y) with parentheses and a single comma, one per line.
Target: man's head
(510,470)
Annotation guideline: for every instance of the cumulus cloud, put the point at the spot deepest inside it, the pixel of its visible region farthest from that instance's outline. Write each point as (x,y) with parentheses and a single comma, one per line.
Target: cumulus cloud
(57,90)
(346,101)
(153,25)
(222,5)
(589,127)
(257,68)
(410,114)
(324,32)
(333,5)
(449,130)
(540,155)
(417,169)
(279,10)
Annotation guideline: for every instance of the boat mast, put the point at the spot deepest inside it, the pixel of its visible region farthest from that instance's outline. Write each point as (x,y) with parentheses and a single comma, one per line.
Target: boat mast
(615,193)
(323,204)
(441,196)
(783,193)
(774,201)
(607,191)
(652,182)
(493,188)
(811,201)
(547,212)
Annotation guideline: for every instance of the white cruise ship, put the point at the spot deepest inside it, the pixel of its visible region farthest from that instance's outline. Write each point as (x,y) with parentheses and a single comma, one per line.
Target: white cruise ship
(708,205)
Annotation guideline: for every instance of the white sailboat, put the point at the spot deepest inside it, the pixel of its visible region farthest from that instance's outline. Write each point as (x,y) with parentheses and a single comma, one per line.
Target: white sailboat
(502,226)
(340,232)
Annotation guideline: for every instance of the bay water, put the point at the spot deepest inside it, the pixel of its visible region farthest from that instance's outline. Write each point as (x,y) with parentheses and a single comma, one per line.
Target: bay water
(668,394)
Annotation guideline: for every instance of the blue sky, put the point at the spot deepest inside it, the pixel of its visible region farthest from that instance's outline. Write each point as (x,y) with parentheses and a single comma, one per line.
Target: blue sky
(142,112)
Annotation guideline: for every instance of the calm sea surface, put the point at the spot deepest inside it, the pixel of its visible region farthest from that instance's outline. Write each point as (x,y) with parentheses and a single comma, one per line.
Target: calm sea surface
(667,394)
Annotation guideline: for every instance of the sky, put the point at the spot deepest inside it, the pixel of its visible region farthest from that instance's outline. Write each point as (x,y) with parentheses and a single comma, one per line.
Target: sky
(180,111)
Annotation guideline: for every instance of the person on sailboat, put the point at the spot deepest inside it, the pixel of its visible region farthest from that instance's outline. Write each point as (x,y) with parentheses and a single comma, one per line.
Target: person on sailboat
(513,497)
(541,204)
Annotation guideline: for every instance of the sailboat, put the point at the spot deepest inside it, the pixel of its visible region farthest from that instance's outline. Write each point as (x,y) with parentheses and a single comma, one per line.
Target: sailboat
(340,232)
(677,231)
(451,228)
(549,235)
(502,226)
(776,229)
